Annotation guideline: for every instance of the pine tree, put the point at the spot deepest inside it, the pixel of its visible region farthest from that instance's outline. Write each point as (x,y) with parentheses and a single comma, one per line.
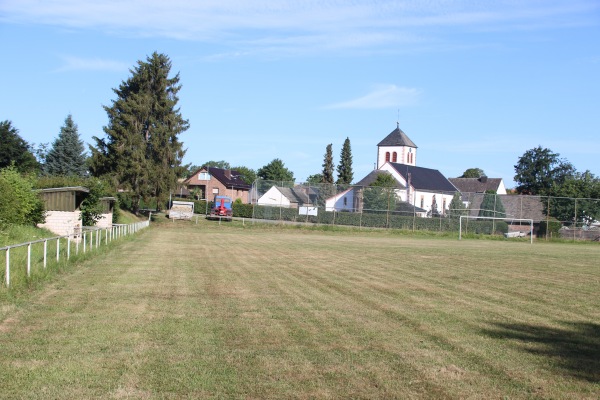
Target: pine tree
(67,155)
(344,169)
(491,205)
(457,207)
(142,151)
(328,165)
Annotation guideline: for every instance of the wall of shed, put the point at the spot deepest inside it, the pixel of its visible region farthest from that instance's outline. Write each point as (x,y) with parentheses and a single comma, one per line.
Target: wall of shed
(105,220)
(63,222)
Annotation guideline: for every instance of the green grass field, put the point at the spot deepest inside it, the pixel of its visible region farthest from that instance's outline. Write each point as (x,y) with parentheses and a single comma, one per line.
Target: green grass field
(230,311)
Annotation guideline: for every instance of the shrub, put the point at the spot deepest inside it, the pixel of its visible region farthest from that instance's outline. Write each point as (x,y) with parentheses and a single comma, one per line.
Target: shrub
(19,203)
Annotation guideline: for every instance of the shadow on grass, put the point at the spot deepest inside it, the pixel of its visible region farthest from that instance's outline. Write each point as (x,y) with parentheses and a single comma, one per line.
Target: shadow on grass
(574,349)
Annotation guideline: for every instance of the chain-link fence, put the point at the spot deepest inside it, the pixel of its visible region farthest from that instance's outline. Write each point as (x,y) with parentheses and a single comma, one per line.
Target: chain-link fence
(402,208)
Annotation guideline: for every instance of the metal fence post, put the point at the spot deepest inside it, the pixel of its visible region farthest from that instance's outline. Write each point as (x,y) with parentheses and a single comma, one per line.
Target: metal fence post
(7,274)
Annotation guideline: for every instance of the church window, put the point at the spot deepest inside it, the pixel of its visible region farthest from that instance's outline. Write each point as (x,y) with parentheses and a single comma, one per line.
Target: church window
(422,201)
(394,157)
(387,156)
(345,201)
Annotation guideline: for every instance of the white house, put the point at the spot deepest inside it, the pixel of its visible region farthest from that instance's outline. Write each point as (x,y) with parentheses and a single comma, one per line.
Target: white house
(342,201)
(278,196)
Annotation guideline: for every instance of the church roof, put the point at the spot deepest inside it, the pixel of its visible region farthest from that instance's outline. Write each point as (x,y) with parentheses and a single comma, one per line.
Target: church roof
(424,178)
(397,138)
(372,177)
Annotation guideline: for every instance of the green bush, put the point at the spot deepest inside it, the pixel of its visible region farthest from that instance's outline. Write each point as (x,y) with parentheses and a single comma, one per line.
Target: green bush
(19,203)
(551,228)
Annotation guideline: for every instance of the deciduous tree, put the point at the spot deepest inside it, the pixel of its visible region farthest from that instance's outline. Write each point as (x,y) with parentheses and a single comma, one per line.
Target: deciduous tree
(539,169)
(473,173)
(15,150)
(275,171)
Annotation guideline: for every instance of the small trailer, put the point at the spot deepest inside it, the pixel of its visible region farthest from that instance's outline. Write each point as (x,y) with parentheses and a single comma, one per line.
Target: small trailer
(181,210)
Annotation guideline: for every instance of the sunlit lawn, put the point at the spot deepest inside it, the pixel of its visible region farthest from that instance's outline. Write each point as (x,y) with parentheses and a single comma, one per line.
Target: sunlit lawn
(225,311)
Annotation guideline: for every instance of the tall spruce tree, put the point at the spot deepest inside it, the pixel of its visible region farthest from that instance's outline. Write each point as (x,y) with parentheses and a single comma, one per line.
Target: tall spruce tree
(142,151)
(344,169)
(67,155)
(491,205)
(328,165)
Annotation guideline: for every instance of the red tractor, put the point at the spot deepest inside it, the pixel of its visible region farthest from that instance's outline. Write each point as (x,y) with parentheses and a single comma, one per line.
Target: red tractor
(222,208)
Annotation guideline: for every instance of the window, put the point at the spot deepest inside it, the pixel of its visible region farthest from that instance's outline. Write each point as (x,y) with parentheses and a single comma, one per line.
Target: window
(444,206)
(422,201)
(204,176)
(345,201)
(394,157)
(387,156)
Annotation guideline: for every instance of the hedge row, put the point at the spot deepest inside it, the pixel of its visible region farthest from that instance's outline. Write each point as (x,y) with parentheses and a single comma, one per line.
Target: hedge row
(365,219)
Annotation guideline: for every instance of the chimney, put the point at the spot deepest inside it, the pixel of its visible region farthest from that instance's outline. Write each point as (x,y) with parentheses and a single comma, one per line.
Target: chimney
(228,174)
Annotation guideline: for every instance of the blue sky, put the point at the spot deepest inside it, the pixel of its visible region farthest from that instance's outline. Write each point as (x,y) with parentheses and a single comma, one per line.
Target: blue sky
(472,83)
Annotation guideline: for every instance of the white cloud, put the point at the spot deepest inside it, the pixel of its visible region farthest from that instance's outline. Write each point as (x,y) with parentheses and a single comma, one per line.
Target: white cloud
(383,96)
(298,25)
(71,63)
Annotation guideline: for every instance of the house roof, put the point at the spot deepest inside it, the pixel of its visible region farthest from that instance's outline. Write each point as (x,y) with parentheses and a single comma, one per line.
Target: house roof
(404,207)
(372,177)
(424,178)
(476,185)
(397,138)
(228,177)
(515,206)
(295,195)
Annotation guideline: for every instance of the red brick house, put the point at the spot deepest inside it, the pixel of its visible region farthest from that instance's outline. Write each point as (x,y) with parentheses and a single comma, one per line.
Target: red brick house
(207,182)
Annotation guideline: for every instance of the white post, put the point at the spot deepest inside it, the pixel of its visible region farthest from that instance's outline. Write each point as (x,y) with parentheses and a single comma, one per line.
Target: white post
(68,247)
(7,275)
(45,252)
(57,249)
(29,259)
(83,240)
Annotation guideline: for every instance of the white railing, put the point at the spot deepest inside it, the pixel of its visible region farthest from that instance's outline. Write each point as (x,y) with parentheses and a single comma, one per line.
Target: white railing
(84,242)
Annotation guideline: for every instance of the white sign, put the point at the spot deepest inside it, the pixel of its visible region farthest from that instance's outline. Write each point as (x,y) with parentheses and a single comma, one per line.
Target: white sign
(307,211)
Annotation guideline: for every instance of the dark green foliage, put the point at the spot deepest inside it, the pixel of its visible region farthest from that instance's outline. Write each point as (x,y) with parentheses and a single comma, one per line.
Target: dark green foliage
(380,195)
(19,203)
(275,171)
(67,155)
(381,219)
(457,207)
(491,205)
(315,179)
(550,228)
(344,169)
(248,175)
(473,173)
(585,187)
(327,172)
(538,170)
(217,164)
(142,152)
(15,150)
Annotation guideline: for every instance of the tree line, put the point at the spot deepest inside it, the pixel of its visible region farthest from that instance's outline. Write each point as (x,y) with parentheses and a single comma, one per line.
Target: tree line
(141,154)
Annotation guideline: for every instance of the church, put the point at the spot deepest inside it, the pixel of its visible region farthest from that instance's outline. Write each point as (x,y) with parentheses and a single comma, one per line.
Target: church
(425,191)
